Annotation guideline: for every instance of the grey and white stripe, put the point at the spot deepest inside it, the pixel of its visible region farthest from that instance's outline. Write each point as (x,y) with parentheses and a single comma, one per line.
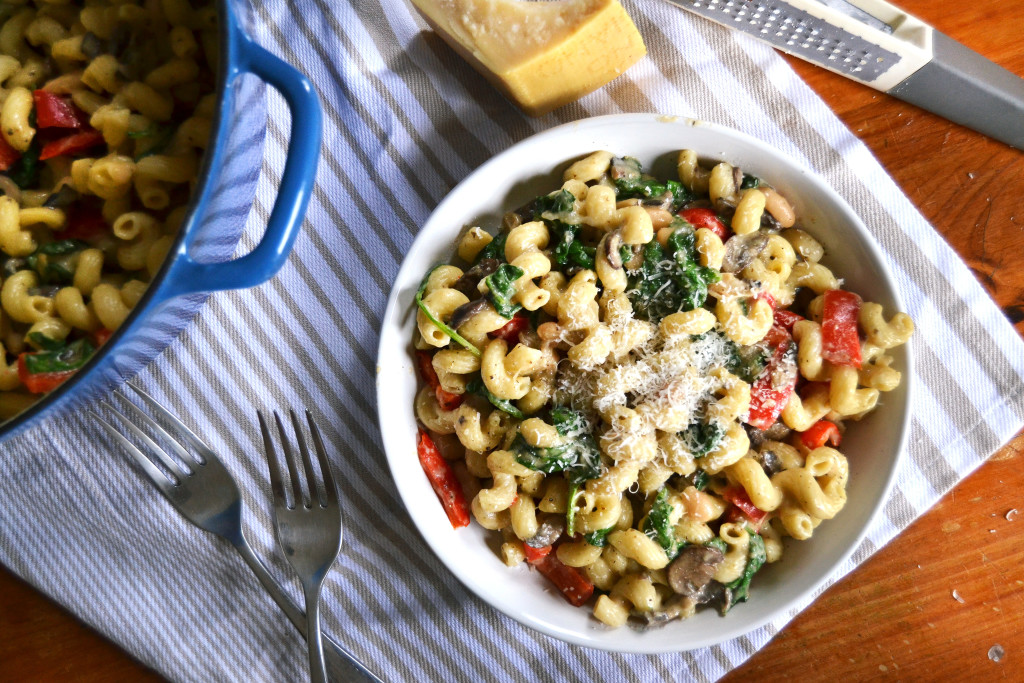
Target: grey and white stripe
(405,120)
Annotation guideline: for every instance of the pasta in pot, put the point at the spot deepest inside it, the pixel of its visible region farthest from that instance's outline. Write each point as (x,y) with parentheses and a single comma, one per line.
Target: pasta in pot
(649,381)
(105,110)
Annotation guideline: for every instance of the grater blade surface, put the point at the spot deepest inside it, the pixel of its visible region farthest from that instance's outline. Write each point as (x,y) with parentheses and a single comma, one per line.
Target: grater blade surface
(797,32)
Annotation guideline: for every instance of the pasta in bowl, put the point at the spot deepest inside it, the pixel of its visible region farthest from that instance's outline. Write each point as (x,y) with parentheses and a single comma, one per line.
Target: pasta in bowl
(105,112)
(646,386)
(131,142)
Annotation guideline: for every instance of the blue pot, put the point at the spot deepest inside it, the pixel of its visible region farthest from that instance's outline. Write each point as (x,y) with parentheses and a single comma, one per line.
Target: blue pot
(200,260)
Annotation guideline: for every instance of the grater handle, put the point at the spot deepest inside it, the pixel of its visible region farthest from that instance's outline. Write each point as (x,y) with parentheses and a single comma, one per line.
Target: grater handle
(962,86)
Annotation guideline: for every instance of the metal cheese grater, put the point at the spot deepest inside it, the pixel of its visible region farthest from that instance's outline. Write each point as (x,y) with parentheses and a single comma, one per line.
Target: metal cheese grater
(878,44)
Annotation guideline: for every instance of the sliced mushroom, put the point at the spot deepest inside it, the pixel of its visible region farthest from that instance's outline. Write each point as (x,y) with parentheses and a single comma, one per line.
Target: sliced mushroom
(467,284)
(721,597)
(725,207)
(740,250)
(62,198)
(770,463)
(512,219)
(769,222)
(466,311)
(44,290)
(699,204)
(92,46)
(612,242)
(693,568)
(777,432)
(716,595)
(673,608)
(549,531)
(661,201)
(737,179)
(624,168)
(13,265)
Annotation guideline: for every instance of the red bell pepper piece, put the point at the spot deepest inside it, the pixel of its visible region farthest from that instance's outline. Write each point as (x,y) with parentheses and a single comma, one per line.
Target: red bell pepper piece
(510,331)
(771,390)
(706,218)
(574,586)
(786,319)
(446,399)
(737,495)
(102,336)
(8,155)
(84,222)
(55,112)
(766,296)
(69,145)
(443,480)
(840,341)
(535,555)
(40,382)
(820,433)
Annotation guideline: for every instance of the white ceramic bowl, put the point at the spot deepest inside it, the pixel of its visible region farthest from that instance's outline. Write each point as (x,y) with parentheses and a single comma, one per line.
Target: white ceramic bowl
(534,166)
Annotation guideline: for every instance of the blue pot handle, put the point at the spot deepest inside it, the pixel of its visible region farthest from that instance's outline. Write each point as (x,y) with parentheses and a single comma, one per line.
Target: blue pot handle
(303,155)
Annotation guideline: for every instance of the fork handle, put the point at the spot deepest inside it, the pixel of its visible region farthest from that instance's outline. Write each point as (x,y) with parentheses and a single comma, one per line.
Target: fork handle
(314,642)
(341,664)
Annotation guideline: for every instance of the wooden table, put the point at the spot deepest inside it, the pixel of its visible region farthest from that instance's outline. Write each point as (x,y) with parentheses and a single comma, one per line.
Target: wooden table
(897,616)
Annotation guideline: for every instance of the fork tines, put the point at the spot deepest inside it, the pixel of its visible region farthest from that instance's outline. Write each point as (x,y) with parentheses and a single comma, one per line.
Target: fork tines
(161,467)
(298,493)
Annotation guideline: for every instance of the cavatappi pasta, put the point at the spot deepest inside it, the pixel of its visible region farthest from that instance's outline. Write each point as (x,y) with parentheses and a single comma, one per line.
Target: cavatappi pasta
(105,110)
(642,385)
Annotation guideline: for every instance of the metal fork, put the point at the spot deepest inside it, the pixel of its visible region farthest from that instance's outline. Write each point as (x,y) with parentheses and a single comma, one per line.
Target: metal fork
(206,494)
(308,522)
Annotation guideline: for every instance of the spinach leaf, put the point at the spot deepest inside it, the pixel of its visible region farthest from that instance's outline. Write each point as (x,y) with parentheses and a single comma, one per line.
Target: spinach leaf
(631,182)
(502,286)
(750,181)
(658,525)
(669,280)
(571,508)
(569,250)
(699,479)
(683,239)
(717,542)
(560,202)
(586,454)
(437,321)
(54,272)
(49,273)
(41,341)
(546,460)
(162,138)
(62,247)
(701,438)
(582,455)
(70,357)
(477,386)
(495,249)
(746,362)
(578,456)
(755,560)
(599,537)
(26,169)
(680,195)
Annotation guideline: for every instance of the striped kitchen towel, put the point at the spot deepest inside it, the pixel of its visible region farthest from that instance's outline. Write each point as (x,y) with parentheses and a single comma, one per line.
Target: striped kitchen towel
(406,119)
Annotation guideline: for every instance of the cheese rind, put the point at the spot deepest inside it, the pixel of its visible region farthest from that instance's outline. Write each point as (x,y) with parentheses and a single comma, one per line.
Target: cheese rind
(541,55)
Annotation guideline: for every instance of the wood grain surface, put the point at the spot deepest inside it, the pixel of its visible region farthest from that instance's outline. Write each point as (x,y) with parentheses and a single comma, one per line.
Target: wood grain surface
(947,593)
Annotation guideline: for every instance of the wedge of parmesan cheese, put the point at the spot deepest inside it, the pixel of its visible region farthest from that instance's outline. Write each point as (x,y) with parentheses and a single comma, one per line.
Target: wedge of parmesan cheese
(541,55)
